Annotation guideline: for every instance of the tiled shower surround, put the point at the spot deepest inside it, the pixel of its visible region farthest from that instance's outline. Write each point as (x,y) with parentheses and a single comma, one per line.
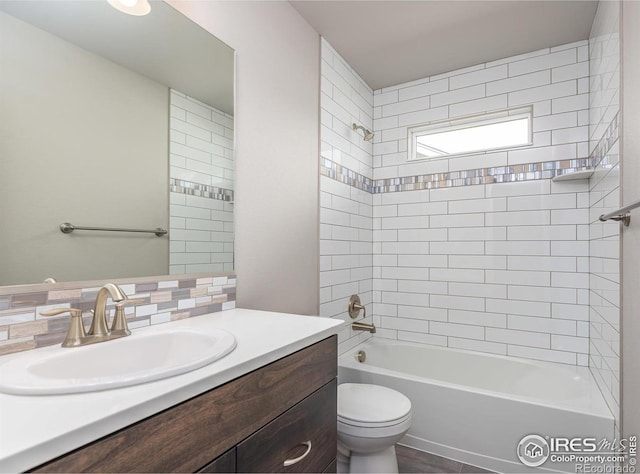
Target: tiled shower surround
(481,252)
(201,187)
(604,197)
(23,328)
(346,236)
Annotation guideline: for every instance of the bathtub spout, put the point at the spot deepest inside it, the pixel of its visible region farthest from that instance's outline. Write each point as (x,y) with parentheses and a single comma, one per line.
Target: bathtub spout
(363,327)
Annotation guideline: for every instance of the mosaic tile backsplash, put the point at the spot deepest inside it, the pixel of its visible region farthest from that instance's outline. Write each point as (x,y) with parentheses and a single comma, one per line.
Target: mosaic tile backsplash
(23,328)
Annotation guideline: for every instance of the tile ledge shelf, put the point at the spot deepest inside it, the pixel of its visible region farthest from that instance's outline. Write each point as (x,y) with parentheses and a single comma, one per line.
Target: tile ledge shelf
(585,174)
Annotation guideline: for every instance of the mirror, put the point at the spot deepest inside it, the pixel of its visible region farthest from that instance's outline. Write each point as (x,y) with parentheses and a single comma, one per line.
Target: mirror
(113,121)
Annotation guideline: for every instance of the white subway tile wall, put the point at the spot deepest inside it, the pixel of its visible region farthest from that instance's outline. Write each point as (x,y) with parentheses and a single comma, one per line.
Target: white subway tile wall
(346,211)
(523,268)
(489,267)
(604,196)
(201,156)
(483,277)
(551,81)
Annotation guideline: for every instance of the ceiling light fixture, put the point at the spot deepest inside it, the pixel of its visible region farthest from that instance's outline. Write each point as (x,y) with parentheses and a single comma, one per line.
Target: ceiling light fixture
(131,7)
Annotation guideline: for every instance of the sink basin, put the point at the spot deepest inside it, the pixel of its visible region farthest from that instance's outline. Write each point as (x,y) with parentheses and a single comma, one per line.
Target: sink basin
(139,358)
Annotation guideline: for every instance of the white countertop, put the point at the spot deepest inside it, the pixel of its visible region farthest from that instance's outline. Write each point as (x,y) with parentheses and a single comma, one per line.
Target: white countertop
(36,429)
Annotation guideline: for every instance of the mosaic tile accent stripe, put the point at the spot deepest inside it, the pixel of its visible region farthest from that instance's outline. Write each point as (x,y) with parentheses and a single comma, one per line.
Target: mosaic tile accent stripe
(333,170)
(202,190)
(22,328)
(606,142)
(501,174)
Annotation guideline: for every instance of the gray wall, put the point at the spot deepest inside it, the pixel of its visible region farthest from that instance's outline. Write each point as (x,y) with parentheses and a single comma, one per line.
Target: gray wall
(83,140)
(630,260)
(276,119)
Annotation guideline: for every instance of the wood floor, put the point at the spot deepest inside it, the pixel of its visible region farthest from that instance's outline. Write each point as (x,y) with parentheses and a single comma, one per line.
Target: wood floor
(414,461)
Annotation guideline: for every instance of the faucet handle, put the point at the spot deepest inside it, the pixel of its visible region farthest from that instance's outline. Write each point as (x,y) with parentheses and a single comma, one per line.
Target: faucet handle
(55,312)
(355,307)
(76,331)
(129,301)
(119,326)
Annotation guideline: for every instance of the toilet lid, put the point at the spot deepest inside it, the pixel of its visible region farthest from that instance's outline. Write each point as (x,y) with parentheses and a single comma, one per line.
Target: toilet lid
(371,403)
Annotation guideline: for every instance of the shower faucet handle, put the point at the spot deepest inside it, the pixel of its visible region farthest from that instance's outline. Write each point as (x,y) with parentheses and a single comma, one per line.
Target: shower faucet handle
(355,307)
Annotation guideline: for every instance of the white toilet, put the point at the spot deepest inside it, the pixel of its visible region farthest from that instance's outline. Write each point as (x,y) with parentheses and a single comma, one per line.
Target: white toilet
(371,420)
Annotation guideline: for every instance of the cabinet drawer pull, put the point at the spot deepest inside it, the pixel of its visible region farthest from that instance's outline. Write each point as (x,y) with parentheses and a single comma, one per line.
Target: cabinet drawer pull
(291,462)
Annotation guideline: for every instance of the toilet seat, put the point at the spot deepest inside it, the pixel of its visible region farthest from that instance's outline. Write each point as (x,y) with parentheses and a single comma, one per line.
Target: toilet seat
(365,430)
(368,424)
(371,406)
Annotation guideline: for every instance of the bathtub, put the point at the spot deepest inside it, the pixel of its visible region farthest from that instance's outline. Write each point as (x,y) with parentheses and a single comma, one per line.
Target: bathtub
(475,407)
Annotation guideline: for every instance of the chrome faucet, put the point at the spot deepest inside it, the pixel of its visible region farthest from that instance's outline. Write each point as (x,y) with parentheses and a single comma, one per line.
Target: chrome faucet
(98,332)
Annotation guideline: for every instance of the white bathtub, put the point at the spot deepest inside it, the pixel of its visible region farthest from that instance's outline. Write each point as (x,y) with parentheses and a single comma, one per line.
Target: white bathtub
(476,407)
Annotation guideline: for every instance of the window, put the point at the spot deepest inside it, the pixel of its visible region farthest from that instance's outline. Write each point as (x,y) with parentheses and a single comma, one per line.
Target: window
(474,134)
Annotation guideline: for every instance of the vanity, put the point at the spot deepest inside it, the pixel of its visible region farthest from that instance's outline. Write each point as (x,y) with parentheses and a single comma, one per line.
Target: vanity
(268,406)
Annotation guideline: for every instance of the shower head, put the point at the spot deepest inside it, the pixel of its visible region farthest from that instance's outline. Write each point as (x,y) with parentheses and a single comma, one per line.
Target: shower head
(368,135)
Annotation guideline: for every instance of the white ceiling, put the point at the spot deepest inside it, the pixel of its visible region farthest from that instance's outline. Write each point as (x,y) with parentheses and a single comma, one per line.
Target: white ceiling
(392,42)
(164,45)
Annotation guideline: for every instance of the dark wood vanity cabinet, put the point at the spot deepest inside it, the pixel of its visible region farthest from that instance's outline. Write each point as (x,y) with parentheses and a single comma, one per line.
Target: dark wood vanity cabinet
(252,424)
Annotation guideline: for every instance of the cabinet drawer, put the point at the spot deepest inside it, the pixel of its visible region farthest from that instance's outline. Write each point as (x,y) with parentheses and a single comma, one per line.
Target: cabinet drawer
(224,463)
(313,420)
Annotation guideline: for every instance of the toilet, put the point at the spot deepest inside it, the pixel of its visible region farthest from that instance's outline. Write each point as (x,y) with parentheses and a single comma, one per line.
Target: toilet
(371,420)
